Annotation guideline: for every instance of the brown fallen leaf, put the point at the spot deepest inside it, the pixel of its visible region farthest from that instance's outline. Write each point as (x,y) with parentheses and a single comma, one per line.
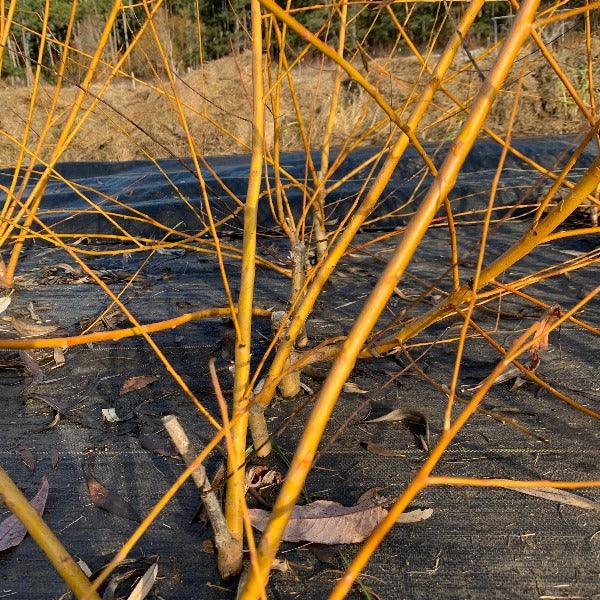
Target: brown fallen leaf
(30,329)
(415,421)
(12,531)
(154,444)
(281,565)
(110,592)
(59,357)
(106,500)
(379,450)
(351,388)
(327,522)
(556,495)
(414,516)
(34,368)
(553,314)
(27,456)
(512,372)
(145,584)
(34,316)
(373,493)
(260,476)
(54,458)
(137,383)
(326,554)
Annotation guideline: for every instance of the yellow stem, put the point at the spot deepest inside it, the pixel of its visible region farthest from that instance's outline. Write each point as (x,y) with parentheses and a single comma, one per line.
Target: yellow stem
(235,482)
(44,537)
(380,295)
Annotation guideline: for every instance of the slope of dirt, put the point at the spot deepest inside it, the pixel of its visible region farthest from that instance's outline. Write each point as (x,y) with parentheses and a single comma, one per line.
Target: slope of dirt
(138,121)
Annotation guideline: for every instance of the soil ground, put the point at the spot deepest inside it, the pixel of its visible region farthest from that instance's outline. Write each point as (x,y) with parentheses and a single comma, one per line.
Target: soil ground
(137,121)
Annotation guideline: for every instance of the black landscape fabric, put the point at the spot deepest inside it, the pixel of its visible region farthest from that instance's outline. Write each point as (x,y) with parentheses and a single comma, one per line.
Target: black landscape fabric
(141,185)
(478,543)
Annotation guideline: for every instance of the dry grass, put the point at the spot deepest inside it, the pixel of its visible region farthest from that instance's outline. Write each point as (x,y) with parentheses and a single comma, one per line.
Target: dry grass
(223,93)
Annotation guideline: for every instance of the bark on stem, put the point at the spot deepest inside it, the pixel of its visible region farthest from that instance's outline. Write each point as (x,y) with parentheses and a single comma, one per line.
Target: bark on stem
(229,548)
(363,210)
(235,463)
(298,254)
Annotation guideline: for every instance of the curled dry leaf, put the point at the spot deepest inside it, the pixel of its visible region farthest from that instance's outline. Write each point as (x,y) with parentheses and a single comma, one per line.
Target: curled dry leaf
(379,450)
(543,328)
(59,357)
(4,303)
(351,388)
(415,421)
(54,458)
(110,415)
(260,476)
(145,584)
(281,565)
(27,456)
(137,383)
(556,495)
(33,367)
(84,567)
(12,531)
(106,500)
(29,329)
(326,522)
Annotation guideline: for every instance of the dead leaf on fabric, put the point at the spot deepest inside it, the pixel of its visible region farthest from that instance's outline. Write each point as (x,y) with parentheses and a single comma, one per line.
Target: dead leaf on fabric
(29,329)
(137,383)
(109,501)
(415,421)
(54,458)
(33,367)
(281,565)
(4,303)
(508,374)
(84,567)
(260,477)
(351,388)
(519,382)
(59,357)
(327,522)
(556,495)
(379,450)
(34,316)
(27,456)
(145,584)
(373,493)
(110,415)
(414,516)
(110,592)
(326,554)
(158,446)
(131,579)
(12,531)
(543,327)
